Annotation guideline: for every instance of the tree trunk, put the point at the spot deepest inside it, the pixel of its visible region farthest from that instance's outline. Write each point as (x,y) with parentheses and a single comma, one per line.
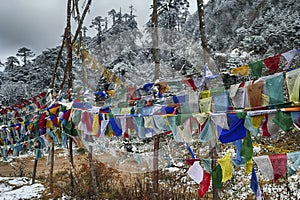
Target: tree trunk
(202,31)
(81,21)
(58,60)
(155,40)
(73,41)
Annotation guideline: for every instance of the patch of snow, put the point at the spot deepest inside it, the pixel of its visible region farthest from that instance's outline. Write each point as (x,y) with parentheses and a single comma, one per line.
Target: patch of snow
(19,188)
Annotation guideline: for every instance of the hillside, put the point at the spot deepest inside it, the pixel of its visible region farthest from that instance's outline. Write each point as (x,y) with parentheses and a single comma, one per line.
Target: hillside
(253,29)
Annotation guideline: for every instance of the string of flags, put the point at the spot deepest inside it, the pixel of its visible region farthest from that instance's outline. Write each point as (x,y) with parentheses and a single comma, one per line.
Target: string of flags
(226,115)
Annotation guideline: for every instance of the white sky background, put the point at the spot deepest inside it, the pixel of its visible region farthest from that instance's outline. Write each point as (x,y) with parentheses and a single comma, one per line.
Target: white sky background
(39,24)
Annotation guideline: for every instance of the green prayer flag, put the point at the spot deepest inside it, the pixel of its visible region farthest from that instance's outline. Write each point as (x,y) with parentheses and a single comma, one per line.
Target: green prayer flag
(241,115)
(256,68)
(283,120)
(247,147)
(68,127)
(216,175)
(38,154)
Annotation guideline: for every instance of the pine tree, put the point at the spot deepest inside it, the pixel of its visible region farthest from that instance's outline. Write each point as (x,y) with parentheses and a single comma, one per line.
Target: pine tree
(11,63)
(97,23)
(25,54)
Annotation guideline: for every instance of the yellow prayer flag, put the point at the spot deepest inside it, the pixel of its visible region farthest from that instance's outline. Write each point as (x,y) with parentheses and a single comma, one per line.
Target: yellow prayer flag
(94,65)
(205,105)
(107,74)
(115,79)
(205,94)
(294,94)
(49,124)
(248,166)
(54,110)
(95,126)
(265,100)
(243,70)
(111,93)
(226,166)
(86,58)
(257,121)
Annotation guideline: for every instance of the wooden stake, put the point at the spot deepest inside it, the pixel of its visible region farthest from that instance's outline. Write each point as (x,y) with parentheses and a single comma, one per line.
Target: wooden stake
(72,179)
(35,165)
(34,170)
(213,165)
(155,164)
(92,169)
(155,40)
(52,166)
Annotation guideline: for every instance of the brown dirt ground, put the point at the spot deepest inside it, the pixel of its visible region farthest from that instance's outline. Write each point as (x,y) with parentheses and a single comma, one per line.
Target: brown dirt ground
(61,163)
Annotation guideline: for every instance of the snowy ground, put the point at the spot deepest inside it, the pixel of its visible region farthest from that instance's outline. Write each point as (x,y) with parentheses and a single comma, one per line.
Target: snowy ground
(19,188)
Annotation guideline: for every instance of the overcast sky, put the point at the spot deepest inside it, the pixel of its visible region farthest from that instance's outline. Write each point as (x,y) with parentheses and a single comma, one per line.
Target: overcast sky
(39,24)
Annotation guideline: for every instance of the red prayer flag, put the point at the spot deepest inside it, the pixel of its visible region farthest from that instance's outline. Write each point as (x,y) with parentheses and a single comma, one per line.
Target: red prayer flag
(204,185)
(191,161)
(279,162)
(67,115)
(42,121)
(265,127)
(190,82)
(272,62)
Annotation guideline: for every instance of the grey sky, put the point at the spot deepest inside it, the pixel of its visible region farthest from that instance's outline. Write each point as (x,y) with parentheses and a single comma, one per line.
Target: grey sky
(39,24)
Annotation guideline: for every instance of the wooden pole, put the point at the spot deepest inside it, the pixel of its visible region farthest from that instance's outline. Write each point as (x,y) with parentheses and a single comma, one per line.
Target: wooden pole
(34,170)
(58,60)
(155,165)
(156,77)
(202,31)
(155,40)
(72,176)
(206,52)
(213,165)
(81,21)
(51,166)
(35,164)
(92,169)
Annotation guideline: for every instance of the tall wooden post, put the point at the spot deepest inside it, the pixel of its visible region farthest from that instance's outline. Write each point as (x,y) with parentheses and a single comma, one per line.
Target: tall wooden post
(34,169)
(35,164)
(78,30)
(213,152)
(155,40)
(51,166)
(71,160)
(92,169)
(156,77)
(213,165)
(202,31)
(155,165)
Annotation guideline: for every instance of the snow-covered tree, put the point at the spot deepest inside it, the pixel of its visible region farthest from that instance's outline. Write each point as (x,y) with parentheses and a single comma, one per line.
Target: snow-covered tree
(11,63)
(25,54)
(97,23)
(113,13)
